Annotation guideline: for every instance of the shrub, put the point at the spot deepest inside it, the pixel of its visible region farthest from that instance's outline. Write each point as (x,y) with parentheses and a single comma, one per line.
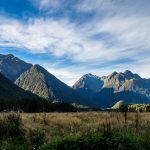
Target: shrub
(99,141)
(14,144)
(10,126)
(36,137)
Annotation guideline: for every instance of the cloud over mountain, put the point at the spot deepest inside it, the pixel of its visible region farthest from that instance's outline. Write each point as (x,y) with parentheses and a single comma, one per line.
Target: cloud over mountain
(98,36)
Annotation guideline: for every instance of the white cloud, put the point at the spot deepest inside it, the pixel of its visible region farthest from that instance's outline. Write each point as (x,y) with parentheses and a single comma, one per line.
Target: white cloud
(65,74)
(59,38)
(94,5)
(113,7)
(128,31)
(121,35)
(71,74)
(49,3)
(46,4)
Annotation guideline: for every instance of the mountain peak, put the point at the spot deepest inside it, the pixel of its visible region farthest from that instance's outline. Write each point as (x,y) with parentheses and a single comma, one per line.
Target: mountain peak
(113,74)
(7,56)
(10,55)
(89,75)
(10,63)
(39,81)
(128,72)
(89,82)
(38,67)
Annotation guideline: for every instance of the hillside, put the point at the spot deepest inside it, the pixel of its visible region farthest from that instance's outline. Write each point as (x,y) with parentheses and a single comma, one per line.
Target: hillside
(11,66)
(8,90)
(89,82)
(127,81)
(89,90)
(109,89)
(41,82)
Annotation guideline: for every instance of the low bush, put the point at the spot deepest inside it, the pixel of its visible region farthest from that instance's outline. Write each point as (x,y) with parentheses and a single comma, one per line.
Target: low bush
(36,138)
(10,126)
(15,144)
(115,140)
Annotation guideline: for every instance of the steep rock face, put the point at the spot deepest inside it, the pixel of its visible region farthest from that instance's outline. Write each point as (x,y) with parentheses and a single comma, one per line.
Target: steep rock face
(127,86)
(88,90)
(11,66)
(117,81)
(88,85)
(34,80)
(89,82)
(46,85)
(127,81)
(8,90)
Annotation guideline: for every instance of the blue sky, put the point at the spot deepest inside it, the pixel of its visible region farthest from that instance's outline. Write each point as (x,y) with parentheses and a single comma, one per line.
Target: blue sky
(74,37)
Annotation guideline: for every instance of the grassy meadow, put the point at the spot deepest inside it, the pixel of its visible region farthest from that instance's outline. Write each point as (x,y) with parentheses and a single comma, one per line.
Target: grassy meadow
(64,130)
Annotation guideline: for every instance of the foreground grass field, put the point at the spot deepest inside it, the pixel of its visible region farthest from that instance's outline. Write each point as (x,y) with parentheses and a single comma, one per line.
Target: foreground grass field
(105,130)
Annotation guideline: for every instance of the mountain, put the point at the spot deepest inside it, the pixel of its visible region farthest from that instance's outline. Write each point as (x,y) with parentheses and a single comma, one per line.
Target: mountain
(89,82)
(41,82)
(11,66)
(106,91)
(128,81)
(88,85)
(14,98)
(91,87)
(8,90)
(105,98)
(89,90)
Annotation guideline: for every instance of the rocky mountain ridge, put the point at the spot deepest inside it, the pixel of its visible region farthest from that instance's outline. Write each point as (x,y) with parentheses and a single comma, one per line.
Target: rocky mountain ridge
(126,86)
(39,81)
(12,67)
(89,90)
(8,90)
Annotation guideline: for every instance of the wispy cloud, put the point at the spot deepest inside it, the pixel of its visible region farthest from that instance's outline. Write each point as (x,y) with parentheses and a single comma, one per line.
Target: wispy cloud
(56,37)
(95,5)
(46,4)
(111,35)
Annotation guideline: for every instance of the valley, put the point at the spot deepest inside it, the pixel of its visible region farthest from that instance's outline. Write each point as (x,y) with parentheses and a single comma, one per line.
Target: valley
(52,131)
(22,80)
(40,112)
(74,74)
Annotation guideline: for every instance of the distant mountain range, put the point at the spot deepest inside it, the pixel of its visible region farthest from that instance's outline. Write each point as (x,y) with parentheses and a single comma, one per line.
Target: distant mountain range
(37,80)
(89,90)
(118,86)
(41,82)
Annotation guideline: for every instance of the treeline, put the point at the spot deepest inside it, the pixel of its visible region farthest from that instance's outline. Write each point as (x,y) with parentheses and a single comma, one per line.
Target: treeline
(34,105)
(121,106)
(139,107)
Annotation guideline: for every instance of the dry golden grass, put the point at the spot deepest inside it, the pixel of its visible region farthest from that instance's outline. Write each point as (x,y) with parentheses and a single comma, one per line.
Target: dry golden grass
(63,124)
